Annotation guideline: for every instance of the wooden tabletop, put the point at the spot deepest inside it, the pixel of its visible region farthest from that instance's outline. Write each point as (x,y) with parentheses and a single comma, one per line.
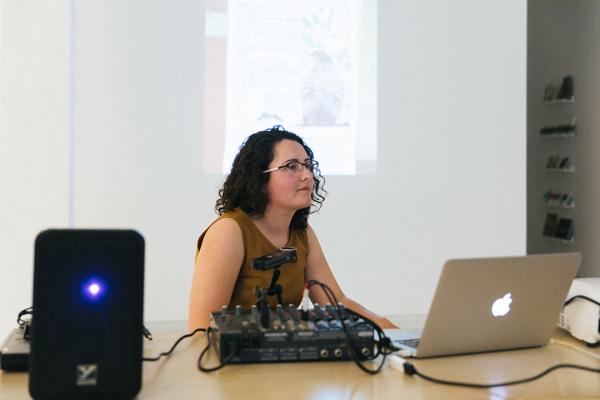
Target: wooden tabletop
(178,378)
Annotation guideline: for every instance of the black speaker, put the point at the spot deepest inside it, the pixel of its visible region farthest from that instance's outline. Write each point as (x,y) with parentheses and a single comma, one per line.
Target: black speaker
(86,331)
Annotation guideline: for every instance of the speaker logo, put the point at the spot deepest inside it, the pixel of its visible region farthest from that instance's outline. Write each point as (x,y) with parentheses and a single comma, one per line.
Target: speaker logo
(87,375)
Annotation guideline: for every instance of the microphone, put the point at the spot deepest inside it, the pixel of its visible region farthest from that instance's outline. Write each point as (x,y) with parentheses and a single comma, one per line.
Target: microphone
(274,260)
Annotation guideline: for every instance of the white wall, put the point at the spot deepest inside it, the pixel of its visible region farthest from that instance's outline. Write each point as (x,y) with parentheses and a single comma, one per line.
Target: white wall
(451,170)
(34,126)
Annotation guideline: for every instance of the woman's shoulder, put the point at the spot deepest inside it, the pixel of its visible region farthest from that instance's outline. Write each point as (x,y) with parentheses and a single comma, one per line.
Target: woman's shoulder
(300,235)
(226,227)
(224,224)
(310,235)
(230,219)
(236,214)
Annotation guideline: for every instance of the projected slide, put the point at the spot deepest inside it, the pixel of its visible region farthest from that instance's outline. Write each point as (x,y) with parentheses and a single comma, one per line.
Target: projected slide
(309,66)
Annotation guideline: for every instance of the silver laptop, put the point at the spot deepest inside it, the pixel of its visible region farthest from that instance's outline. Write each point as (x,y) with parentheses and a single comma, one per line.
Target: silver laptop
(492,304)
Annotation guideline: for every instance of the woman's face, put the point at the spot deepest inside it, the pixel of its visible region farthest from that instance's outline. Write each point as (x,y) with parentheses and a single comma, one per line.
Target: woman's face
(289,190)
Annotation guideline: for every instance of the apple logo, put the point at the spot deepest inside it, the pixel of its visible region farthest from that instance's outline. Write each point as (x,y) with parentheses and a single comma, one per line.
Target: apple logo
(501,306)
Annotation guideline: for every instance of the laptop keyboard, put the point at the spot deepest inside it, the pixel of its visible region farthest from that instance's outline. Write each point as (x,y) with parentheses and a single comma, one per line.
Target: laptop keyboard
(414,343)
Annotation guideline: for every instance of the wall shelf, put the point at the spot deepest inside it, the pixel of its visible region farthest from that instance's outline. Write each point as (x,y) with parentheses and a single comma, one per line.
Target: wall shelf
(570,241)
(560,101)
(558,134)
(561,170)
(560,205)
(558,224)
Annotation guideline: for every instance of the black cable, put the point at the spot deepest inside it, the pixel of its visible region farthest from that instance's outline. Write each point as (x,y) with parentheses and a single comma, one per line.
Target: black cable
(174,345)
(25,323)
(209,332)
(410,369)
(383,345)
(580,297)
(146,332)
(27,311)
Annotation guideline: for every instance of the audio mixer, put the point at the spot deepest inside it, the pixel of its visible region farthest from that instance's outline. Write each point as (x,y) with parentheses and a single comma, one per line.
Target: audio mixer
(286,334)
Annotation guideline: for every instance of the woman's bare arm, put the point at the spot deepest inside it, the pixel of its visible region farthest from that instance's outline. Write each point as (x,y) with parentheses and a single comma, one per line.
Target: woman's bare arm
(217,267)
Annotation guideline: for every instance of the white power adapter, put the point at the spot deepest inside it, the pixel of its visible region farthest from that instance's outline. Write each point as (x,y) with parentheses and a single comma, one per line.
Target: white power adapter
(581,317)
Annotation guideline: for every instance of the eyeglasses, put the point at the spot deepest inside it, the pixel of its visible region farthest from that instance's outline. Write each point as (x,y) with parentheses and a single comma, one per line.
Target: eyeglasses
(296,167)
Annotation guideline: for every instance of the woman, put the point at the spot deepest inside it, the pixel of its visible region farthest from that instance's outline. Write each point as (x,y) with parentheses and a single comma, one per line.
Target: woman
(263,206)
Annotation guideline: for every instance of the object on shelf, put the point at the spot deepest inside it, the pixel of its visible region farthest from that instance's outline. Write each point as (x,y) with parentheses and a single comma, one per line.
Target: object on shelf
(558,163)
(557,199)
(566,88)
(564,230)
(566,127)
(558,227)
(552,162)
(563,92)
(565,163)
(558,131)
(550,225)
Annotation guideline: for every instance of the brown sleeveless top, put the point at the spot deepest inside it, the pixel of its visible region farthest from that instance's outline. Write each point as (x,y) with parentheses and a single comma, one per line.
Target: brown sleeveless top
(257,245)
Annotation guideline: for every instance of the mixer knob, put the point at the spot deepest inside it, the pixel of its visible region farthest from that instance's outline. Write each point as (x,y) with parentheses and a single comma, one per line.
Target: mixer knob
(322,325)
(335,324)
(291,326)
(292,311)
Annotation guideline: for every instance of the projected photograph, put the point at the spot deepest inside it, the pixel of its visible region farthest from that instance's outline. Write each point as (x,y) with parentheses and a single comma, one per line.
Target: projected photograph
(299,65)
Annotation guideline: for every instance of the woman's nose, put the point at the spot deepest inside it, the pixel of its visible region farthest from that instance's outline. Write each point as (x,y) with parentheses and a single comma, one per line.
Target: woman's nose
(306,173)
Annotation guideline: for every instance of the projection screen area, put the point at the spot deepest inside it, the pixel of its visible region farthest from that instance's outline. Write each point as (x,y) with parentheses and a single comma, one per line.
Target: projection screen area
(310,66)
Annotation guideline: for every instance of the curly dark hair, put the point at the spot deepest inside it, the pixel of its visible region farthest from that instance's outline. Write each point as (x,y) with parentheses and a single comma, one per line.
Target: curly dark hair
(244,187)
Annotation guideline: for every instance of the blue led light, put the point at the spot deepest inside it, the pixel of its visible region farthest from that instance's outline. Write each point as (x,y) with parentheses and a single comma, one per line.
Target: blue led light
(94,289)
